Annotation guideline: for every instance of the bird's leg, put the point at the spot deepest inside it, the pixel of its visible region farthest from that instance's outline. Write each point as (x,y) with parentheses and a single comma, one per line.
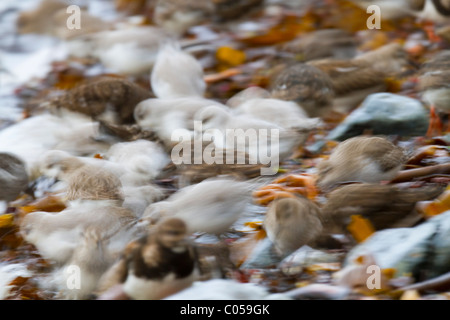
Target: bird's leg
(435,126)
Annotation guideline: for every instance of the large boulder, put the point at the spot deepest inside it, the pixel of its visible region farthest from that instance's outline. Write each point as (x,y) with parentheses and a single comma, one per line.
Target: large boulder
(384,114)
(422,251)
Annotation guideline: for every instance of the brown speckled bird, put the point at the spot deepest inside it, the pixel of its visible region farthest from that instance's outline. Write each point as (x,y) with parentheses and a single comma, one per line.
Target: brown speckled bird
(320,86)
(87,182)
(320,44)
(84,179)
(291,223)
(385,206)
(352,81)
(307,85)
(362,159)
(391,59)
(434,84)
(155,266)
(109,99)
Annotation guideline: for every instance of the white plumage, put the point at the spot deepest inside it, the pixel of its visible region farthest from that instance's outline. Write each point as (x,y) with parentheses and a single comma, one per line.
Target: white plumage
(130,51)
(168,116)
(210,206)
(30,138)
(176,74)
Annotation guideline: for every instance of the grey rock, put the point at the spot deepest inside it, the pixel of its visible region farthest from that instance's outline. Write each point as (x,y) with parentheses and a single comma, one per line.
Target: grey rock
(303,257)
(440,258)
(263,256)
(420,251)
(384,114)
(319,291)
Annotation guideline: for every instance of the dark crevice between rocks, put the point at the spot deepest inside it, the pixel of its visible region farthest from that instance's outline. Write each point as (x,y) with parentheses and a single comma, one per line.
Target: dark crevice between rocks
(422,270)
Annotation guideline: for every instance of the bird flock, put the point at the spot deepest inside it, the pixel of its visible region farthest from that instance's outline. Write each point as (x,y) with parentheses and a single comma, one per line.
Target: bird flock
(107,145)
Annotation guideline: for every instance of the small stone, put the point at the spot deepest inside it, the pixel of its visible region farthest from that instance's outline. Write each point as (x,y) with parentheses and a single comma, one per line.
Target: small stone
(422,251)
(303,257)
(384,114)
(263,256)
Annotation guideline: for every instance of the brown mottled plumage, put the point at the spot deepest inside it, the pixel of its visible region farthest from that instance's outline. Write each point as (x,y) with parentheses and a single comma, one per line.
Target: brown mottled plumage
(390,59)
(320,85)
(86,182)
(89,183)
(326,43)
(363,159)
(386,206)
(102,99)
(291,223)
(307,85)
(348,76)
(352,81)
(125,132)
(179,15)
(155,266)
